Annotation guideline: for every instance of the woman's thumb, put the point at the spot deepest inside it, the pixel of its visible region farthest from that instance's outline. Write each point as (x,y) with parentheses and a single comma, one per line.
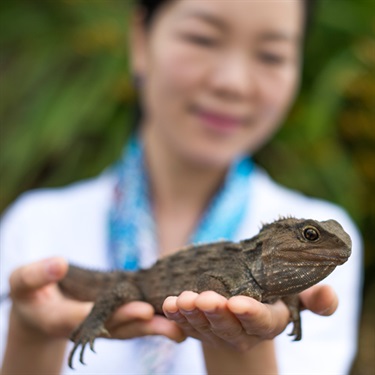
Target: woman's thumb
(36,275)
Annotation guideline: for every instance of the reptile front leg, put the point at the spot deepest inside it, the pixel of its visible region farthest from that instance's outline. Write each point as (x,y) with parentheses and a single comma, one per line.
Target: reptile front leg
(209,281)
(224,286)
(294,305)
(93,326)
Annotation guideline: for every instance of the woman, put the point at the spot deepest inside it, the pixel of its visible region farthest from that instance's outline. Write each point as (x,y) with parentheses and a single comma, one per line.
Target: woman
(216,79)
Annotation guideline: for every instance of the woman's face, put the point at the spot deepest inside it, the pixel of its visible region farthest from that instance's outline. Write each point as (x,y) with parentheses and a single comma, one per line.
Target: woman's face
(218,76)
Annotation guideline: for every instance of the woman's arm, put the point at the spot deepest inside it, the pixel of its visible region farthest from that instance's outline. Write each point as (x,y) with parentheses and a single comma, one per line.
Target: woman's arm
(30,351)
(42,319)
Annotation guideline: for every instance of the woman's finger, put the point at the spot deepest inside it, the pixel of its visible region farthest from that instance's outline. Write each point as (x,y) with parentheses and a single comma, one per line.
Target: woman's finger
(137,310)
(158,325)
(320,299)
(33,276)
(182,311)
(206,317)
(186,304)
(260,319)
(224,324)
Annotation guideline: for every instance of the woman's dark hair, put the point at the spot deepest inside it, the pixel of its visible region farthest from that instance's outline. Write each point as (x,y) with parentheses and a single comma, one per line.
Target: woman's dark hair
(151,6)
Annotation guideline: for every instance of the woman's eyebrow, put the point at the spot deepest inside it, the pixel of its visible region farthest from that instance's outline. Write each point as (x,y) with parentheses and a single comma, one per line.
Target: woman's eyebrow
(266,36)
(278,36)
(207,18)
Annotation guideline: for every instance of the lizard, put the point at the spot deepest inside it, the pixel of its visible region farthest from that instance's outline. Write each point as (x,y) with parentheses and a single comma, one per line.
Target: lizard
(286,257)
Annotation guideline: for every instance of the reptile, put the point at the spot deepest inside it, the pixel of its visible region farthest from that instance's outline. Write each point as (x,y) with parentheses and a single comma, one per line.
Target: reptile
(284,258)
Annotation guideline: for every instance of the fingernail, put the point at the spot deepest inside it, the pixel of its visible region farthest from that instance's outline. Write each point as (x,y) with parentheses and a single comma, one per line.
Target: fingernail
(173,315)
(327,311)
(53,268)
(211,313)
(180,340)
(188,312)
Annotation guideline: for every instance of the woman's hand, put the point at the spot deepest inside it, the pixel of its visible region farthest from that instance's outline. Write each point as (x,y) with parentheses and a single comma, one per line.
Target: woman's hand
(42,318)
(40,308)
(240,322)
(38,304)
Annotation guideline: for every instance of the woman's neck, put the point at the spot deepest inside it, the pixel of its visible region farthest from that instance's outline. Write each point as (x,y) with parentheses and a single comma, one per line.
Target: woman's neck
(180,191)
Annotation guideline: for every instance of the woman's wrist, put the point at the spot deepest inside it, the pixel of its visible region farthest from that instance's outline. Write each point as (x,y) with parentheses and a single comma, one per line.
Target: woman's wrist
(41,353)
(260,359)
(25,331)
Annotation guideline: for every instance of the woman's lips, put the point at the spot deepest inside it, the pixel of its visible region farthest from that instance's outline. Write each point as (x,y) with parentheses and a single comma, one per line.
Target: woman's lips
(218,122)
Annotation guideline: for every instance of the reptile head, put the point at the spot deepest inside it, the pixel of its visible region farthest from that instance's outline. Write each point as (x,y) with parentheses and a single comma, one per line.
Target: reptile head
(297,253)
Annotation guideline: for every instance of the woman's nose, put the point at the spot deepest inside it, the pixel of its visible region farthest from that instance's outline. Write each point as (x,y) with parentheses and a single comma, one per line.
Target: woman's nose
(232,76)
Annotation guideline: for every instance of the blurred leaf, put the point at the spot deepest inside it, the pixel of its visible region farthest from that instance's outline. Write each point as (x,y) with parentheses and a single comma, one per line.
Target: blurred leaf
(66,100)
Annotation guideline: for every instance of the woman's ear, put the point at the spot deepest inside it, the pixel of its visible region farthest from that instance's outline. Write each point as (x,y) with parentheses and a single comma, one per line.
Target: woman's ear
(138,45)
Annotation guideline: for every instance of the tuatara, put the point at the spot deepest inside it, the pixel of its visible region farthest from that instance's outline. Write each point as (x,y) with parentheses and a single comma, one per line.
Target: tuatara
(286,257)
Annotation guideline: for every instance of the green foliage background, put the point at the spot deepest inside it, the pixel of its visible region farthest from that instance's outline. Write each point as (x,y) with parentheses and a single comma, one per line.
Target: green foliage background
(66,102)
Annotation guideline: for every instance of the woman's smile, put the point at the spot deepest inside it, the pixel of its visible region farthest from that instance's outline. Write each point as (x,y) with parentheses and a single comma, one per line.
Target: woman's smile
(218,122)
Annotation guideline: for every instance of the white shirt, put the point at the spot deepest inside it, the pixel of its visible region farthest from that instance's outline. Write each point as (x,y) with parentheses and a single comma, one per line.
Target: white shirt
(72,222)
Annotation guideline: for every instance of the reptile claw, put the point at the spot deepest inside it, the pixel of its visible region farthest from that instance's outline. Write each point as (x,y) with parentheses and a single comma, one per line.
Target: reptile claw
(296,332)
(92,345)
(82,336)
(105,332)
(71,355)
(82,352)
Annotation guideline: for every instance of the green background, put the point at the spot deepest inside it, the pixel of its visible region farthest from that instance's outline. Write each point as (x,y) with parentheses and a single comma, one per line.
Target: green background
(67,104)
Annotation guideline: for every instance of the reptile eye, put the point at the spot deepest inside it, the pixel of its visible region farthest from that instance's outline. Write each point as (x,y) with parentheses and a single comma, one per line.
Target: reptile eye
(311,234)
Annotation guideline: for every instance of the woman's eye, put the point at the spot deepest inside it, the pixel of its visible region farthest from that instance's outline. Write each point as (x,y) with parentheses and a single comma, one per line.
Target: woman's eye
(271,58)
(201,40)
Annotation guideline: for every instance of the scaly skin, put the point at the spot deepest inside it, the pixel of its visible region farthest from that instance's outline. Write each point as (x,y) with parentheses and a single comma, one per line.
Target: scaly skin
(285,258)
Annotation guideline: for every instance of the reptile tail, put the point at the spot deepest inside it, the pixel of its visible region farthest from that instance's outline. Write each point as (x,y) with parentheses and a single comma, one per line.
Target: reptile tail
(85,285)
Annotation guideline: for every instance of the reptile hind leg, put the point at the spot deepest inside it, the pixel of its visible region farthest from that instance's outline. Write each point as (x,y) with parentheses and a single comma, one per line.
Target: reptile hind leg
(93,326)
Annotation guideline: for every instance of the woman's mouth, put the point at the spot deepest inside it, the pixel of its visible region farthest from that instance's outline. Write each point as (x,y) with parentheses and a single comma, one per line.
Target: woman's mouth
(219,123)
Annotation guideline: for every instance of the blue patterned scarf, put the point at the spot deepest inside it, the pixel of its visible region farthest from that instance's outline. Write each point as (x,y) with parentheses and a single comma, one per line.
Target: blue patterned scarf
(132,229)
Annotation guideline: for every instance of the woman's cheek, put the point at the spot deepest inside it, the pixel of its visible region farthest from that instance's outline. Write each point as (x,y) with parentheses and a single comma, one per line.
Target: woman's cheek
(278,94)
(183,72)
